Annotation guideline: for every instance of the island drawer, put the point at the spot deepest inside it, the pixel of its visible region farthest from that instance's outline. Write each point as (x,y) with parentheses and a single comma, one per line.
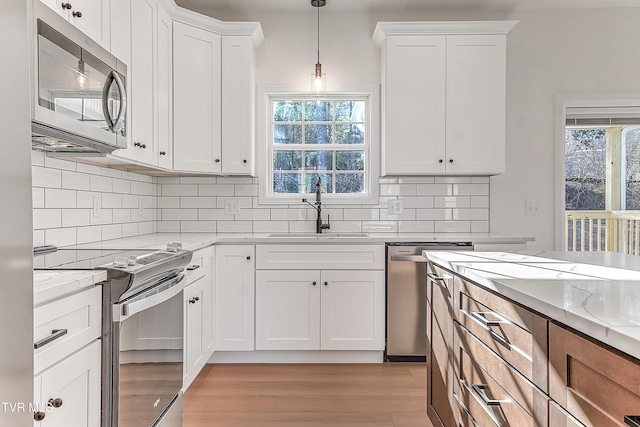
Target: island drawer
(66,325)
(558,417)
(475,363)
(515,333)
(596,385)
(320,257)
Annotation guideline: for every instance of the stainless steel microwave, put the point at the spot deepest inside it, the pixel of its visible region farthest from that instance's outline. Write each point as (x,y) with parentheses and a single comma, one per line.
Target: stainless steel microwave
(80,95)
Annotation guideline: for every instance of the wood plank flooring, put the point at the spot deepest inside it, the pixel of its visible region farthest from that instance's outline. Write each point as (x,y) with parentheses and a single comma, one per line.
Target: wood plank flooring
(308,395)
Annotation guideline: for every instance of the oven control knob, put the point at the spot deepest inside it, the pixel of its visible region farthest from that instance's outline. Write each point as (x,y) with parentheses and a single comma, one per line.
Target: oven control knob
(120,262)
(174,247)
(39,416)
(131,261)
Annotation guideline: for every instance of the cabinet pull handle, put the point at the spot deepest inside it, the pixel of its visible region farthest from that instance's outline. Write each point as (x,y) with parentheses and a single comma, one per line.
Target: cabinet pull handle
(481,316)
(193,267)
(56,403)
(55,334)
(66,6)
(39,416)
(77,14)
(632,420)
(480,391)
(440,281)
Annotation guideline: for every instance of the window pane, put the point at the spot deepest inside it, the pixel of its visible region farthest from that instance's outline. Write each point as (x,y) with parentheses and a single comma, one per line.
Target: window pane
(312,178)
(585,156)
(350,160)
(287,160)
(350,183)
(318,160)
(287,134)
(318,111)
(317,134)
(350,111)
(287,183)
(287,111)
(632,154)
(349,134)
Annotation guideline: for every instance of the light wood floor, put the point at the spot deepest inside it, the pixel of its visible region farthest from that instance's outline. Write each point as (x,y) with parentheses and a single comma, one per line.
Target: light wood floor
(308,395)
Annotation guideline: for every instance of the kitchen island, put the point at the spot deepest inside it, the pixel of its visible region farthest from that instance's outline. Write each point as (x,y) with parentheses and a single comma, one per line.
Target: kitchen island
(547,338)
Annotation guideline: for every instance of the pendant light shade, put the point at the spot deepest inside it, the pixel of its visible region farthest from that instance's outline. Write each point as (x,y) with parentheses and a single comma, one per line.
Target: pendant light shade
(318,78)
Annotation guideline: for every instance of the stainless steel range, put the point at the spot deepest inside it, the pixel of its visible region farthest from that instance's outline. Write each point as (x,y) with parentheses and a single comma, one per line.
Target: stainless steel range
(141,377)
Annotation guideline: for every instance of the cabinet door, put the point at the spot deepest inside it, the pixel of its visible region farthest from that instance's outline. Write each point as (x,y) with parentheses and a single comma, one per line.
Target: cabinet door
(352,310)
(194,351)
(476,81)
(414,105)
(197,99)
(288,310)
(164,116)
(439,358)
(238,100)
(56,5)
(76,382)
(92,18)
(234,298)
(143,28)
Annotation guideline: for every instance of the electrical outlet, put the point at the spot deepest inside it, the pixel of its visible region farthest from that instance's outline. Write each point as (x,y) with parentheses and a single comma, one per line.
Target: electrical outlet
(532,207)
(97,206)
(231,207)
(394,207)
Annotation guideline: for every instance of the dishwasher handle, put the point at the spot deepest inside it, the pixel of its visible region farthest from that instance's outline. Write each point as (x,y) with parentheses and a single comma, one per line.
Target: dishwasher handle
(410,258)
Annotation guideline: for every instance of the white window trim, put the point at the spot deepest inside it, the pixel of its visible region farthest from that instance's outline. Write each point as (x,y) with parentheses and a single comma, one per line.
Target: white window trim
(563,103)
(265,94)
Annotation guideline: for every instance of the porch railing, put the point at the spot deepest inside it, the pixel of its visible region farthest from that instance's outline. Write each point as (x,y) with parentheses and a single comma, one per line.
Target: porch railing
(612,231)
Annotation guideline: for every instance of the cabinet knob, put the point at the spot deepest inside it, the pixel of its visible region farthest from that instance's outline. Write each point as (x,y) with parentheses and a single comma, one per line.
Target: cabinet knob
(39,416)
(77,14)
(244,161)
(450,160)
(248,257)
(217,160)
(136,144)
(440,161)
(192,301)
(163,153)
(326,283)
(314,283)
(143,145)
(56,403)
(66,6)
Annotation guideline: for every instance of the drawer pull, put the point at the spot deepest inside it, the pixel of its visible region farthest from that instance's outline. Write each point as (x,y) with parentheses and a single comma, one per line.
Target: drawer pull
(55,334)
(632,420)
(482,317)
(193,267)
(440,282)
(480,391)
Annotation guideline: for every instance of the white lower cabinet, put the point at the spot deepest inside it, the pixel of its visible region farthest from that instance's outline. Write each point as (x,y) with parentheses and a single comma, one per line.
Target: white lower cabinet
(68,393)
(234,298)
(67,361)
(198,314)
(319,310)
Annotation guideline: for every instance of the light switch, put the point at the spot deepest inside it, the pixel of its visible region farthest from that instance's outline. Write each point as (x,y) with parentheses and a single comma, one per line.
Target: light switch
(532,207)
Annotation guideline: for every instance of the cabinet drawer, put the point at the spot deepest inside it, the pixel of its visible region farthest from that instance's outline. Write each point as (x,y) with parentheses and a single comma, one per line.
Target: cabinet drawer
(476,399)
(558,417)
(196,268)
(594,384)
(476,364)
(518,335)
(320,256)
(79,315)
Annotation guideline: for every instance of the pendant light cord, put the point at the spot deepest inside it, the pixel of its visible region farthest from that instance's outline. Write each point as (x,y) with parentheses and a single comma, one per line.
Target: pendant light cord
(318,7)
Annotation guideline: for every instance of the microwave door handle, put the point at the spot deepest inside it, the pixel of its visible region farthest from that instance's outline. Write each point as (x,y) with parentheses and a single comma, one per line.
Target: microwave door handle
(114,125)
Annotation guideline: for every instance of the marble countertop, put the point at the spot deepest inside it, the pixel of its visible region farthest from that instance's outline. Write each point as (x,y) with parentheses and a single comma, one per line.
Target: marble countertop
(50,284)
(597,294)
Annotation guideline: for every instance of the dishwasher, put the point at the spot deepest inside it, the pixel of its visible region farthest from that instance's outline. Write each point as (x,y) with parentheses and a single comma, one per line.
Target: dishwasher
(406,309)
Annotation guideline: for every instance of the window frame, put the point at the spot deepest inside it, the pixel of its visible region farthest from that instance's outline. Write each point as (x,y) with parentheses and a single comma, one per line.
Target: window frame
(265,147)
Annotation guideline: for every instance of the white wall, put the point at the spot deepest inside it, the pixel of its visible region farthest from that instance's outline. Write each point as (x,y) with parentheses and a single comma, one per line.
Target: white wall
(550,52)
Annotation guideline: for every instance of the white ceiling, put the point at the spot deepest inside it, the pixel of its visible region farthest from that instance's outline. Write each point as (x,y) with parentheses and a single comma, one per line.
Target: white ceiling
(244,6)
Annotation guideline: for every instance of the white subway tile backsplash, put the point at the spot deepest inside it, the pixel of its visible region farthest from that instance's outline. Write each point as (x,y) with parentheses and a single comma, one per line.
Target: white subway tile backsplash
(134,204)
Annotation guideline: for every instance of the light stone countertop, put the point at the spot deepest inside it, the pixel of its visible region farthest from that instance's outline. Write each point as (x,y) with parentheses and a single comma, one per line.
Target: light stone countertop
(597,294)
(51,284)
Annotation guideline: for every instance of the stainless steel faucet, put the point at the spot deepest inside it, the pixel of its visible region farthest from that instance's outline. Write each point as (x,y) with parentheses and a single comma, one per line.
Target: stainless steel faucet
(318,207)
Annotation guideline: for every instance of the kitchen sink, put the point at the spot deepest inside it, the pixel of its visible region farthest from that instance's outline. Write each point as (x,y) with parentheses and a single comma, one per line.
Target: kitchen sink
(316,235)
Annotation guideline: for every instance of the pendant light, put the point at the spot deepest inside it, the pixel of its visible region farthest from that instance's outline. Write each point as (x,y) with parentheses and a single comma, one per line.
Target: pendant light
(318,79)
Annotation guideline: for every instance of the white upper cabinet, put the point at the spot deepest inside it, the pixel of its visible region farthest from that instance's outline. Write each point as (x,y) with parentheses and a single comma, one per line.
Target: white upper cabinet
(238,117)
(89,16)
(164,96)
(197,99)
(443,92)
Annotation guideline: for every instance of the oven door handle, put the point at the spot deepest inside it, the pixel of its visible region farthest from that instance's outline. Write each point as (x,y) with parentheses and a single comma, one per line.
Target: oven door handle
(156,295)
